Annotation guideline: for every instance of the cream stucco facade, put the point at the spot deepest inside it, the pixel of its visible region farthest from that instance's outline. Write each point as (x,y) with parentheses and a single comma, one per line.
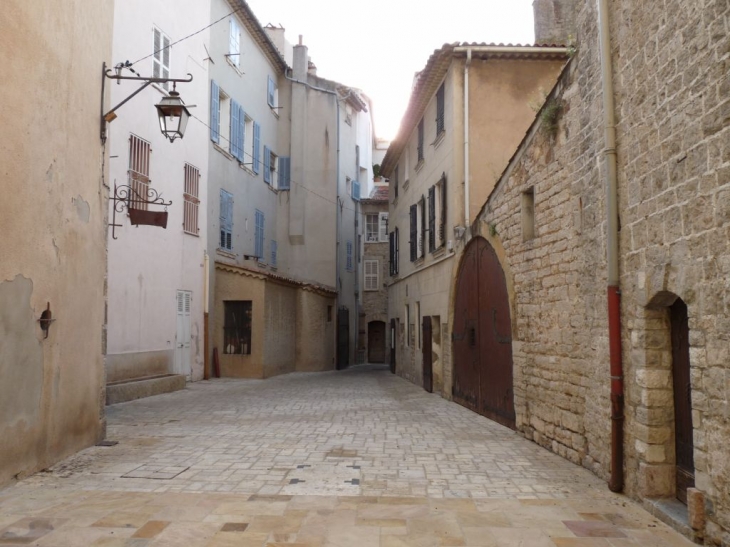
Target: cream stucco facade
(53,242)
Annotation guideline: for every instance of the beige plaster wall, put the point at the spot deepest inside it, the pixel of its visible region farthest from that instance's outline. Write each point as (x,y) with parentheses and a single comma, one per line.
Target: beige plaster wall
(315,337)
(53,223)
(503,98)
(280,328)
(237,286)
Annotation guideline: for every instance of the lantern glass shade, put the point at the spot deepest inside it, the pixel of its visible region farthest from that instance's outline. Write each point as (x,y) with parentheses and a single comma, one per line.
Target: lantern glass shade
(173,116)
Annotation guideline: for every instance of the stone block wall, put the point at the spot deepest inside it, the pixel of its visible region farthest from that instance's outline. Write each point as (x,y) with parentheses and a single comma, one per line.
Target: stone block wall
(671,64)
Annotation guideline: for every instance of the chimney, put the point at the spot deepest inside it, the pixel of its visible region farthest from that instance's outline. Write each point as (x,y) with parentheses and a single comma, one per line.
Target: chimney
(300,66)
(312,69)
(555,21)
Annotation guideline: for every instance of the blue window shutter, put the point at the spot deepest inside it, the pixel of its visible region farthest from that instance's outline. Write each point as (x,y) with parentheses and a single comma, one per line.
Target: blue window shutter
(233,143)
(270,93)
(284,173)
(355,190)
(242,135)
(214,111)
(226,219)
(259,235)
(267,165)
(256,146)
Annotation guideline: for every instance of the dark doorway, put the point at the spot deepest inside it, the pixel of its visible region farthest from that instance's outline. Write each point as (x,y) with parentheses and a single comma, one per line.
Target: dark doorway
(343,338)
(427,355)
(482,336)
(393,330)
(376,342)
(683,442)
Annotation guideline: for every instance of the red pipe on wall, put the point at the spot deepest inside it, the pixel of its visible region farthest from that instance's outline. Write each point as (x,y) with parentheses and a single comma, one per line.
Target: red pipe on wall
(616,482)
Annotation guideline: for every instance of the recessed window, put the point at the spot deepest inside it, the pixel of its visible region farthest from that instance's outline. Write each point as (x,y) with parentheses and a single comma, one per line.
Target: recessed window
(234,43)
(372,234)
(237,327)
(372,276)
(272,95)
(191,201)
(528,214)
(440,110)
(420,140)
(161,57)
(224,118)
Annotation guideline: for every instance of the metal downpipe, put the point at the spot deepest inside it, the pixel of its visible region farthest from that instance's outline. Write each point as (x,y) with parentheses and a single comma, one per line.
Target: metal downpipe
(616,482)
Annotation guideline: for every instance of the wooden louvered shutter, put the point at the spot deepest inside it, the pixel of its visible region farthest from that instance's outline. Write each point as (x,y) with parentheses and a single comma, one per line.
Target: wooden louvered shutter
(267,165)
(233,143)
(284,173)
(414,232)
(432,218)
(214,111)
(442,220)
(256,147)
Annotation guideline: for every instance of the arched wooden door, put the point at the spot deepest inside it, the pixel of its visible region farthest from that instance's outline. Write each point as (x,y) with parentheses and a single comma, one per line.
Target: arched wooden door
(482,336)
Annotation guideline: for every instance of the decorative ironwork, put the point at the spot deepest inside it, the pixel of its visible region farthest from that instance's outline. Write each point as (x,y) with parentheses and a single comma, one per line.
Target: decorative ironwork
(126,197)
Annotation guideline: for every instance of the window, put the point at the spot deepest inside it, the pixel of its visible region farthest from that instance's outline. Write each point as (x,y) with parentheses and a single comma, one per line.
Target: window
(440,111)
(274,249)
(395,182)
(226,220)
(406,165)
(139,172)
(408,326)
(284,173)
(420,141)
(270,165)
(394,252)
(355,190)
(237,130)
(437,214)
(259,236)
(383,219)
(371,275)
(256,147)
(348,263)
(528,214)
(272,94)
(234,43)
(191,201)
(414,232)
(161,57)
(248,132)
(237,327)
(372,229)
(421,227)
(224,117)
(348,185)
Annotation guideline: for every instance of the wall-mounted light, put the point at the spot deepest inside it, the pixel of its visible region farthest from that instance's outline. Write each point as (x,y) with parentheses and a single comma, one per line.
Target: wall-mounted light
(173,113)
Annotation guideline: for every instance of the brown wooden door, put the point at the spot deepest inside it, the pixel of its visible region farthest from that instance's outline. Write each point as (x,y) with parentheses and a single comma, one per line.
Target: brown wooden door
(376,342)
(684,445)
(427,355)
(483,336)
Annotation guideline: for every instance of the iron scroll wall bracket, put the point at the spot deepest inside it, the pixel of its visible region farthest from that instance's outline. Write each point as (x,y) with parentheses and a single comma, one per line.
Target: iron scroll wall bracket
(116,74)
(126,197)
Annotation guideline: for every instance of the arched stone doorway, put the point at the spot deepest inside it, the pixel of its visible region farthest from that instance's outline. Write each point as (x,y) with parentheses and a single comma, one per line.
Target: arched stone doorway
(663,372)
(376,342)
(482,336)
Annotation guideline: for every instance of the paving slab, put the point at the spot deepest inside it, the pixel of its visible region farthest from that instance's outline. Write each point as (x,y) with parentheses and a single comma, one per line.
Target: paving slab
(352,458)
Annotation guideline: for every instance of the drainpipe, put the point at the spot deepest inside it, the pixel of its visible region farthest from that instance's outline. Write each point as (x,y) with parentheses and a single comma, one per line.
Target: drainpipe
(616,481)
(466,143)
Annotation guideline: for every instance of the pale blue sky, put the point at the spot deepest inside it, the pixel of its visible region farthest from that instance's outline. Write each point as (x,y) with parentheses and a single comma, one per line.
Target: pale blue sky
(378,45)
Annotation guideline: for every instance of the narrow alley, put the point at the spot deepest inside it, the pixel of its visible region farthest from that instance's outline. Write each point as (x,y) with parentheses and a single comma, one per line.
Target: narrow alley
(348,459)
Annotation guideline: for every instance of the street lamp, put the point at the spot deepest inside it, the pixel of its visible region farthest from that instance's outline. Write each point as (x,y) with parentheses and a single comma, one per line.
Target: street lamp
(173,115)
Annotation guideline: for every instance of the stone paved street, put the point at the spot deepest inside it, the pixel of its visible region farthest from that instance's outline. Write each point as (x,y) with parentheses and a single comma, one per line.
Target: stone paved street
(348,459)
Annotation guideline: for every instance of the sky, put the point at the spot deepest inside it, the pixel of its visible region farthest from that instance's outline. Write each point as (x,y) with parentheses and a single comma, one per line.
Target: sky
(378,45)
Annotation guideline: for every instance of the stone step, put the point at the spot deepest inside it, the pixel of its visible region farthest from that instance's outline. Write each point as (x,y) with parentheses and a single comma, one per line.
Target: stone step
(147,386)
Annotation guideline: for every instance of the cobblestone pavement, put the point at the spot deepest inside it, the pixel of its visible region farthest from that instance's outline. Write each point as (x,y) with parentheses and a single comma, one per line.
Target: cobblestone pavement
(358,458)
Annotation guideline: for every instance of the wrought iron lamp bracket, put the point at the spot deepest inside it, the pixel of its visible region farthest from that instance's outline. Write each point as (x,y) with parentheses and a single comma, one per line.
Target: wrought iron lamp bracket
(125,195)
(116,74)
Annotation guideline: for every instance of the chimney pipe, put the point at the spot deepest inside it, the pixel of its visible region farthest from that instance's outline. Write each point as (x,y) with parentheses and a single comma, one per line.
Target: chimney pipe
(300,39)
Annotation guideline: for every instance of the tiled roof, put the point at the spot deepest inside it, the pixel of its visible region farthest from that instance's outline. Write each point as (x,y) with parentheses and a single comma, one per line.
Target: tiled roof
(253,26)
(428,80)
(379,193)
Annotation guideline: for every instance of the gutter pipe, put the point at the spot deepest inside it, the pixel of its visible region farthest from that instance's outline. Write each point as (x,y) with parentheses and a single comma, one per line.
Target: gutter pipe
(466,142)
(616,482)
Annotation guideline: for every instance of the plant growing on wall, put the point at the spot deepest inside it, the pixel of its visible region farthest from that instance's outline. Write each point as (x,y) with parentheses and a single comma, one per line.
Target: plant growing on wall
(376,170)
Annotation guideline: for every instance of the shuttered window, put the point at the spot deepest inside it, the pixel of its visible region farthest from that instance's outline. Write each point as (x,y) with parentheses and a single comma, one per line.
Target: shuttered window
(191,202)
(432,218)
(414,232)
(259,236)
(214,112)
(234,143)
(161,57)
(256,147)
(371,228)
(226,221)
(383,219)
(274,251)
(139,172)
(421,227)
(420,140)
(441,189)
(356,190)
(440,110)
(284,173)
(272,93)
(391,256)
(348,262)
(371,275)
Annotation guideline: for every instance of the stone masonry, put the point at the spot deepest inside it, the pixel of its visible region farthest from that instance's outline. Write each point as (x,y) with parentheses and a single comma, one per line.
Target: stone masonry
(671,62)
